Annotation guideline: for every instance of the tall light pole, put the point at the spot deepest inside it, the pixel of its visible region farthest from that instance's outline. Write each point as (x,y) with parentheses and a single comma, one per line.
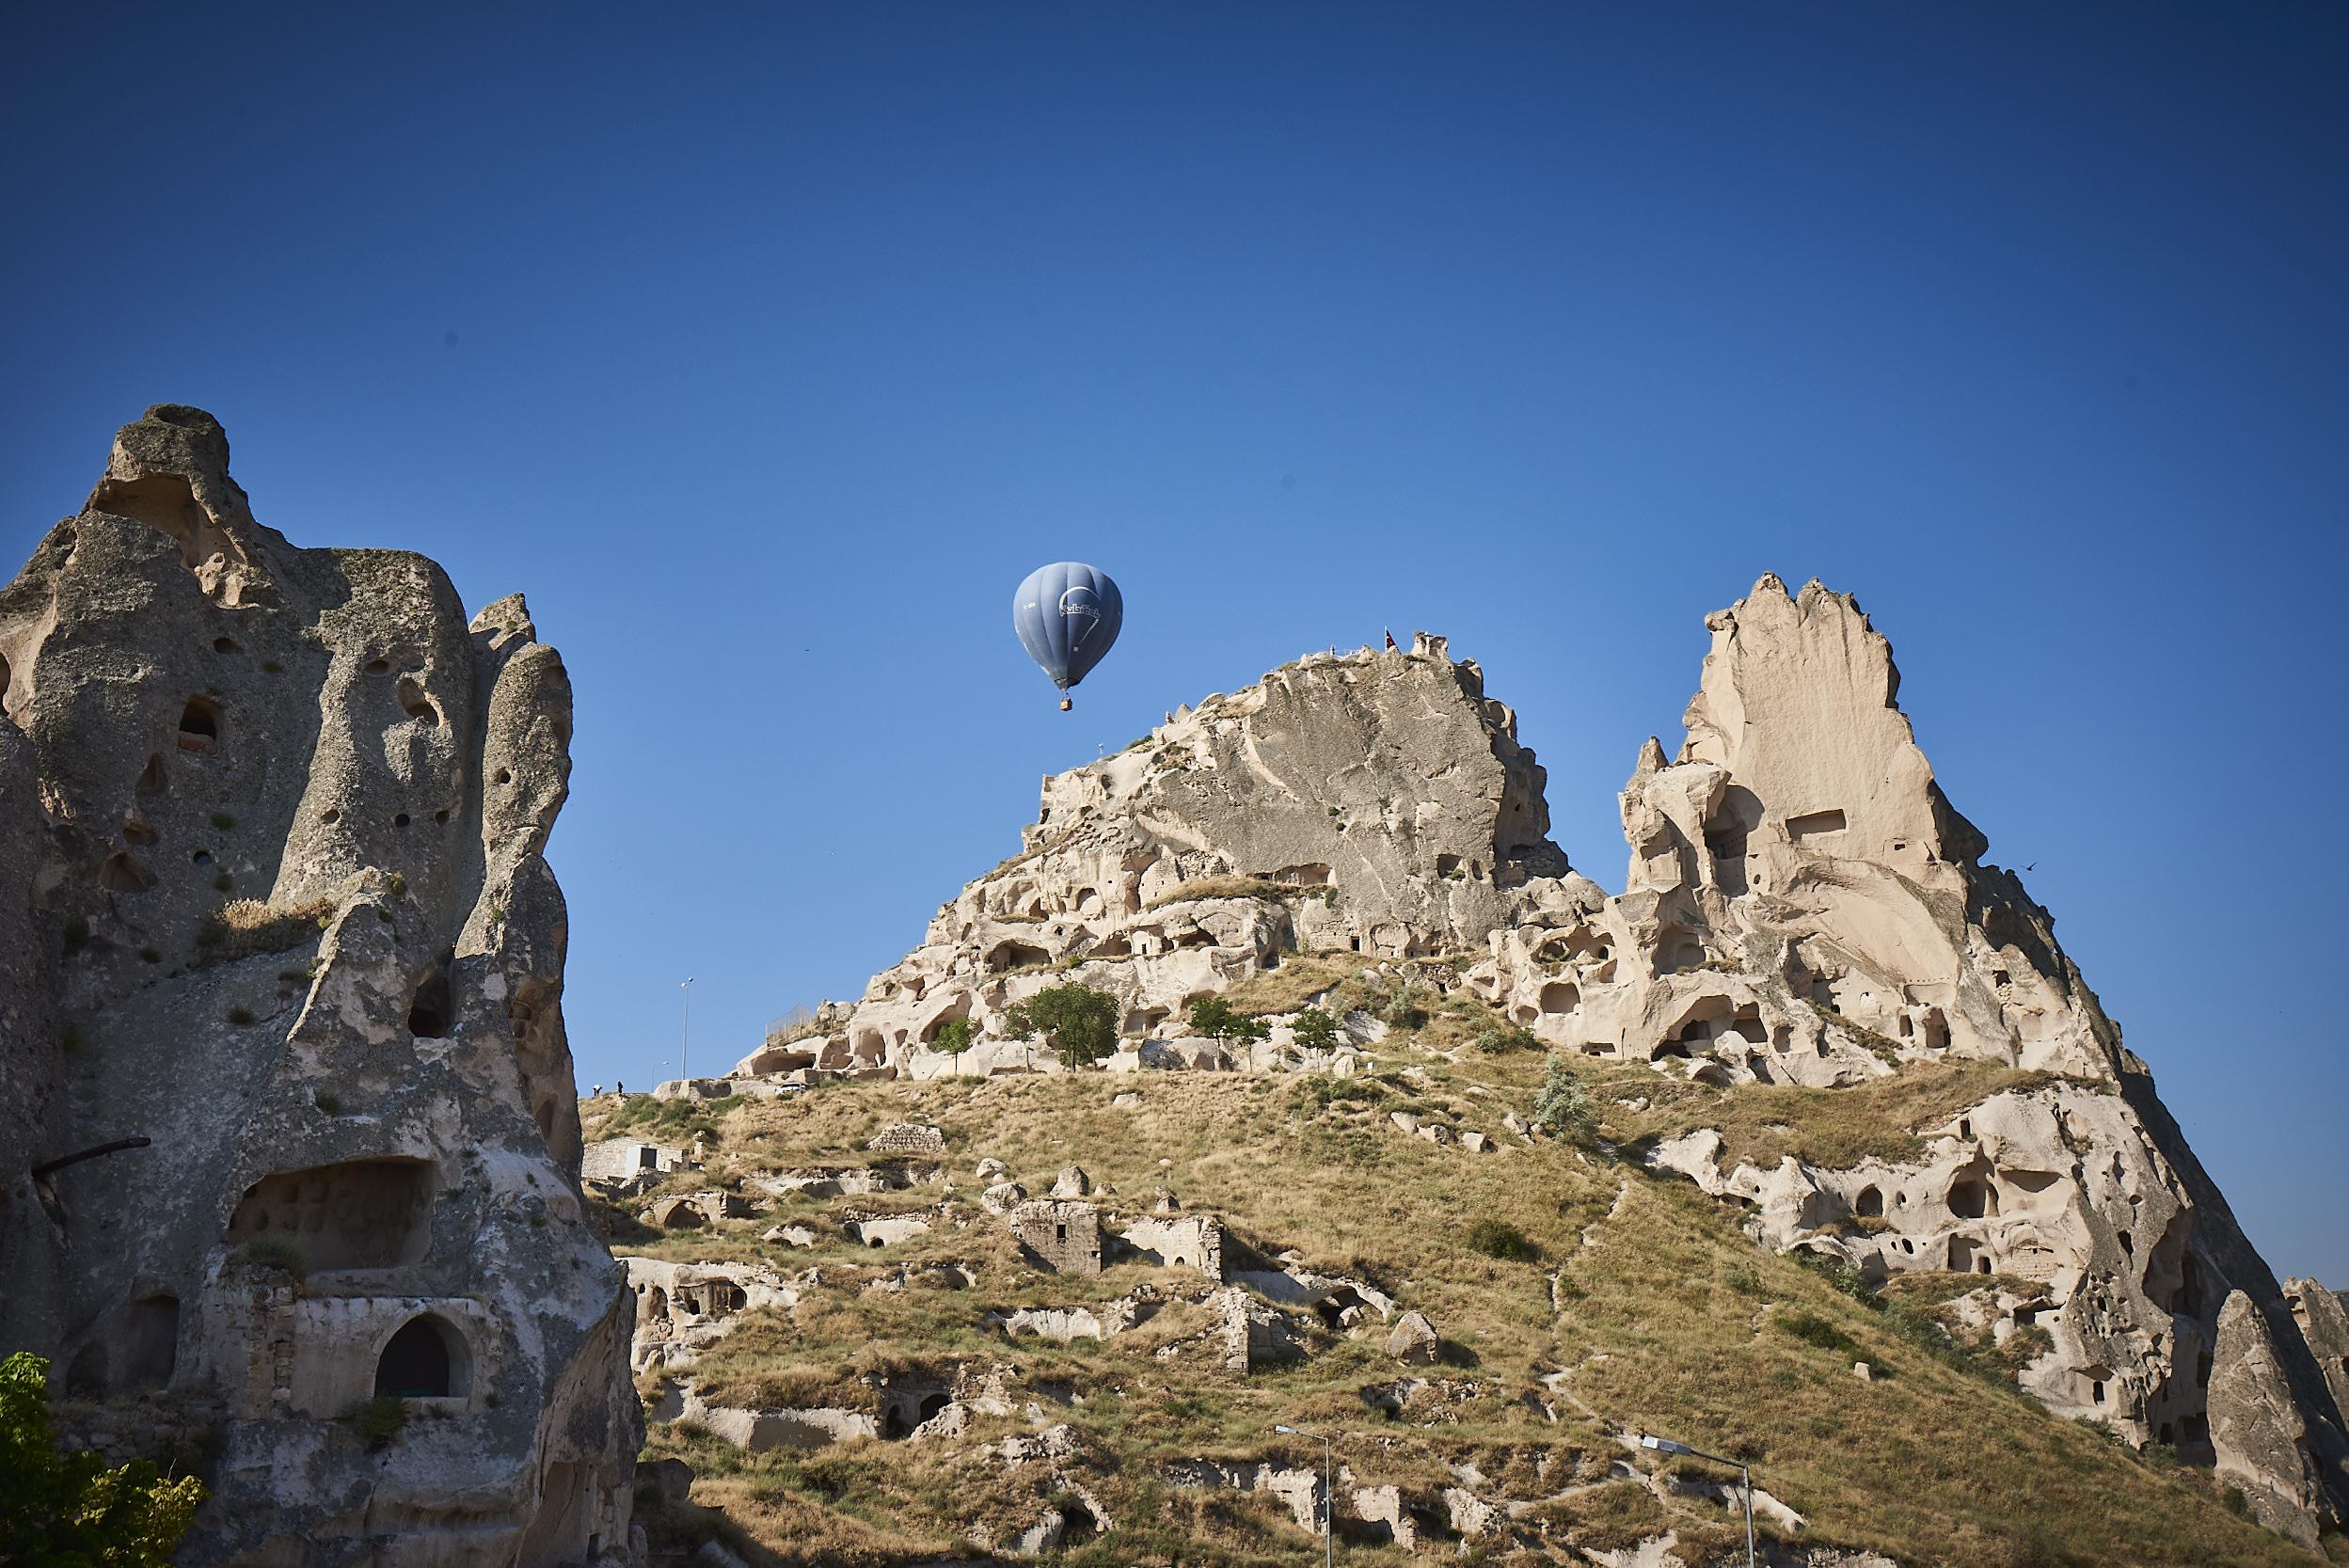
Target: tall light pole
(1329,1499)
(1666,1445)
(685,1025)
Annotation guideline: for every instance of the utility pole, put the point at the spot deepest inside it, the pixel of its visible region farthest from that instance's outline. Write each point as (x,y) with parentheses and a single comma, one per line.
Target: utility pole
(1330,1498)
(1666,1445)
(685,1024)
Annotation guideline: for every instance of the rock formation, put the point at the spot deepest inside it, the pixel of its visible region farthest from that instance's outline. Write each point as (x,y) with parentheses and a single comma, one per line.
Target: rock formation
(271,823)
(1803,906)
(1300,814)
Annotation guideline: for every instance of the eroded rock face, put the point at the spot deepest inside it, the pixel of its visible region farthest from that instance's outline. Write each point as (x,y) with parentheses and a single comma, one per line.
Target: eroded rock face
(1802,907)
(1300,813)
(271,823)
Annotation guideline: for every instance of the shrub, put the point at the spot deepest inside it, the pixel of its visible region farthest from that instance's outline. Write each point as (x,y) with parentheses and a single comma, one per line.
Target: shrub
(1213,1017)
(221,883)
(379,1420)
(150,956)
(240,1016)
(1077,1021)
(69,1508)
(1561,1107)
(1406,1009)
(1316,1030)
(1813,1329)
(1497,1238)
(222,821)
(76,934)
(1494,1041)
(282,1253)
(273,667)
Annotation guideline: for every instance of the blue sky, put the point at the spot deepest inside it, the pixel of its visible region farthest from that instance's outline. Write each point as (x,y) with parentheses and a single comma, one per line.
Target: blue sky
(767,348)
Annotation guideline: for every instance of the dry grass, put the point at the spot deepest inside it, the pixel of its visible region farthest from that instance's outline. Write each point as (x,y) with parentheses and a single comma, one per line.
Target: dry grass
(1837,1128)
(1663,1320)
(244,927)
(1221,887)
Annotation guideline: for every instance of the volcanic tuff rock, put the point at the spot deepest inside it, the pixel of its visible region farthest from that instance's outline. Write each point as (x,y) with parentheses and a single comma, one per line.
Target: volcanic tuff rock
(1803,906)
(271,823)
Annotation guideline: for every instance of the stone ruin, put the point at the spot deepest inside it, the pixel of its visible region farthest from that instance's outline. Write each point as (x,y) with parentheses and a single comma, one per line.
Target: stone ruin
(271,834)
(1804,906)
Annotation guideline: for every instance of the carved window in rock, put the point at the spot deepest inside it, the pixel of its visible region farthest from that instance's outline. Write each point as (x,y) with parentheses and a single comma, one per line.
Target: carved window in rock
(428,1359)
(1814,824)
(358,1215)
(199,724)
(433,1010)
(1972,1198)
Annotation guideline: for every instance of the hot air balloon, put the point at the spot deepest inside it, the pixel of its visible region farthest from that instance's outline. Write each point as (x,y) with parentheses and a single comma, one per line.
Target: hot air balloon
(1067,615)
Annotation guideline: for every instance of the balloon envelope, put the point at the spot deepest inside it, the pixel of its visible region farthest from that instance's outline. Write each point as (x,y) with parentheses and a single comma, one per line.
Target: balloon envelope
(1067,615)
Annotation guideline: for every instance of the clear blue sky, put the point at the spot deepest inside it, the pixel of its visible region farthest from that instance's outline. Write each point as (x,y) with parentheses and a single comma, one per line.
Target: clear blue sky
(767,347)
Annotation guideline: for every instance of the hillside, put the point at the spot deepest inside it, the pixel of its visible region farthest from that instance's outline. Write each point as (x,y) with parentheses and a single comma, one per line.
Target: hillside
(1849,1106)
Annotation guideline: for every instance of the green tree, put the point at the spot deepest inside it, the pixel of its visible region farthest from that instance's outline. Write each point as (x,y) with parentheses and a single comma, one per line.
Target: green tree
(1077,1021)
(1316,1030)
(1218,1020)
(955,1036)
(68,1510)
(1561,1107)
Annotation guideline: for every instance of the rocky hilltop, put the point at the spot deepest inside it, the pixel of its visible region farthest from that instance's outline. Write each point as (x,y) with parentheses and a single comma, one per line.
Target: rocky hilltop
(1813,1001)
(271,823)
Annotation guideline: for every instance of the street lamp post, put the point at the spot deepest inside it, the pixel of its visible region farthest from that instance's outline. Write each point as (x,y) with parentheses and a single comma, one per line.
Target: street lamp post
(1330,1498)
(1666,1445)
(685,1025)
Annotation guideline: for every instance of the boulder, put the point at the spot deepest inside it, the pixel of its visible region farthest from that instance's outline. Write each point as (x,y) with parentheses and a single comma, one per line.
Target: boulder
(1413,1340)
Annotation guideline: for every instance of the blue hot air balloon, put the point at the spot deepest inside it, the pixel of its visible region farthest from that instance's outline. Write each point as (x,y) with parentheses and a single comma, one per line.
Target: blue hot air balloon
(1067,615)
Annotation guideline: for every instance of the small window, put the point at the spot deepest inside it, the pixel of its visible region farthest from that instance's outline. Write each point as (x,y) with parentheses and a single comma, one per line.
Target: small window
(425,1360)
(199,724)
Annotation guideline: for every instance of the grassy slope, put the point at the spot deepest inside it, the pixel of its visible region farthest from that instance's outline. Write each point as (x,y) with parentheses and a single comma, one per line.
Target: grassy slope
(1665,1319)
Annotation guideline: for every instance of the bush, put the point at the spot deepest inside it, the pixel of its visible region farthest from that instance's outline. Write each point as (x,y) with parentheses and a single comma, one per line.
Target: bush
(76,934)
(1077,1021)
(1496,1239)
(1813,1329)
(282,1253)
(379,1420)
(1494,1041)
(1561,1107)
(222,821)
(69,1508)
(1406,1009)
(1316,1030)
(1214,1018)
